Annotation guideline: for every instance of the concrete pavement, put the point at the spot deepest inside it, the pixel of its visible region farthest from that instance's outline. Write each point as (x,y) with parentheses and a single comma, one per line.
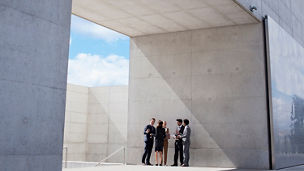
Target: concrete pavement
(167,168)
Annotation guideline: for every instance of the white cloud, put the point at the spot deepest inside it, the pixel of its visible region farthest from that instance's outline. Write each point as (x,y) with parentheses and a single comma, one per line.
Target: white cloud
(94,70)
(91,29)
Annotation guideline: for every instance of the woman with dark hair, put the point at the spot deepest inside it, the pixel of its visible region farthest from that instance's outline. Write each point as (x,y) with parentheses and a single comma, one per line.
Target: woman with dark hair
(160,135)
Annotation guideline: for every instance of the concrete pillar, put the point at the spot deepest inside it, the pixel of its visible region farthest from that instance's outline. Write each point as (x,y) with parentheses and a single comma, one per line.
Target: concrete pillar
(34,47)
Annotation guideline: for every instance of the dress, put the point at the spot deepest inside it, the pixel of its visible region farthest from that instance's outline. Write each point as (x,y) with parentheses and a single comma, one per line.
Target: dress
(160,135)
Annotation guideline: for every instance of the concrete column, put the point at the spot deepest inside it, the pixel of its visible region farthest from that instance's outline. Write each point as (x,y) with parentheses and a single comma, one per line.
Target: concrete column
(34,47)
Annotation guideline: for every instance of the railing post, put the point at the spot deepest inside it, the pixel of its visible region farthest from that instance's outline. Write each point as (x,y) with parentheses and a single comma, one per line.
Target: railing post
(125,156)
(66,157)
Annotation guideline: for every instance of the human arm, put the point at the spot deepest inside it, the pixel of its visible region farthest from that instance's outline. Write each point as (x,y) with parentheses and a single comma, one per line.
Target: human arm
(168,133)
(186,133)
(147,130)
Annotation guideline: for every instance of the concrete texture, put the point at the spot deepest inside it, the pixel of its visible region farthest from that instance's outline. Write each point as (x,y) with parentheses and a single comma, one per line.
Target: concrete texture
(138,17)
(107,122)
(96,122)
(214,77)
(153,168)
(33,68)
(75,131)
(288,14)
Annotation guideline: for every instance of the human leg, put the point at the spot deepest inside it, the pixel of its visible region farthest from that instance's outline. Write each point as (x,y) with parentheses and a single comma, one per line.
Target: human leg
(150,146)
(161,157)
(175,153)
(181,153)
(165,152)
(156,158)
(145,153)
(186,147)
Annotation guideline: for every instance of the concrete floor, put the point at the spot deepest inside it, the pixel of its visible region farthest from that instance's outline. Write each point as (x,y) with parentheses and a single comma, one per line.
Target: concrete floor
(154,168)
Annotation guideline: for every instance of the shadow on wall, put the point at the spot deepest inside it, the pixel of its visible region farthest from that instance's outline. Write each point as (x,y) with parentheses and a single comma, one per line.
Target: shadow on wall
(107,119)
(215,78)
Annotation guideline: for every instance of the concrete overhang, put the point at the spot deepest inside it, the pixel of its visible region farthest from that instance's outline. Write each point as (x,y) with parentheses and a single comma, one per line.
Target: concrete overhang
(144,17)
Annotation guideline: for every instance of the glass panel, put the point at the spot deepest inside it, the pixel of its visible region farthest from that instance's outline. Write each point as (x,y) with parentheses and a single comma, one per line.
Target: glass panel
(286,59)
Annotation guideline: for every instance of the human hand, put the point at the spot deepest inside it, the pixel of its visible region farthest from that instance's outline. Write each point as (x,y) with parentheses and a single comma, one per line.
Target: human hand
(148,131)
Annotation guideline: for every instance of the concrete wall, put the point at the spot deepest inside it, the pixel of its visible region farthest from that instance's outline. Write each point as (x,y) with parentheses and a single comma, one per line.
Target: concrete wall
(75,132)
(34,50)
(96,122)
(288,14)
(214,77)
(107,122)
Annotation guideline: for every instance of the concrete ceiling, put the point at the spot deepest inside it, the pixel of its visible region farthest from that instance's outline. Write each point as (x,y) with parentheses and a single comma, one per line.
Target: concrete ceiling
(143,17)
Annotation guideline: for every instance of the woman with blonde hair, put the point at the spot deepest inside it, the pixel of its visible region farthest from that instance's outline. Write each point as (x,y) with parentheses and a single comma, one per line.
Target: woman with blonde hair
(166,142)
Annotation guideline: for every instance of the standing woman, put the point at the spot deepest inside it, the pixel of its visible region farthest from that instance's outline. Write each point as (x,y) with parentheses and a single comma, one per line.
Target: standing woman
(166,142)
(159,142)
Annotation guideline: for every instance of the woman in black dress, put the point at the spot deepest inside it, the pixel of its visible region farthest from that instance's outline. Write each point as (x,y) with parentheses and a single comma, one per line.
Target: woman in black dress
(160,135)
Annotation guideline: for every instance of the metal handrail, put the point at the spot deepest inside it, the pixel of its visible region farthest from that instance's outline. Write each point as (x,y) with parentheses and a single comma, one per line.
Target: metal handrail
(112,154)
(66,157)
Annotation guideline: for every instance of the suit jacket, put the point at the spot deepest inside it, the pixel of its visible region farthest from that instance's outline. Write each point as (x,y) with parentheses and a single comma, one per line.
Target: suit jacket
(181,131)
(186,134)
(149,136)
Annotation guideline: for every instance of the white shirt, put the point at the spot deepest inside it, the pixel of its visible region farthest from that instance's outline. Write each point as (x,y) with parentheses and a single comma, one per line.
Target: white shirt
(178,128)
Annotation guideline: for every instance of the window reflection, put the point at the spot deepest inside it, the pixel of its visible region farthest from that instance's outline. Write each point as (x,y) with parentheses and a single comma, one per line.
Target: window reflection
(286,57)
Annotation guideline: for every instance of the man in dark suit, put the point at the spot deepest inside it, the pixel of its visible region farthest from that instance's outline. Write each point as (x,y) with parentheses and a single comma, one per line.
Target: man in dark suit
(178,142)
(149,133)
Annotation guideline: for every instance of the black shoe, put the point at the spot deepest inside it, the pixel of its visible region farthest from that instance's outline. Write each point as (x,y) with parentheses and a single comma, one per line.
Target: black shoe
(160,165)
(156,165)
(173,165)
(149,164)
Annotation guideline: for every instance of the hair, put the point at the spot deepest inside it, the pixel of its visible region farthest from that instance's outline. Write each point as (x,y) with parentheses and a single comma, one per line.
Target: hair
(160,123)
(179,120)
(186,121)
(153,119)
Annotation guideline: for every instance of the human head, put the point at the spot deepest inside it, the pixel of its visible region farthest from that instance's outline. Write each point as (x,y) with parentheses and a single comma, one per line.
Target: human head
(186,122)
(160,123)
(152,121)
(165,124)
(179,121)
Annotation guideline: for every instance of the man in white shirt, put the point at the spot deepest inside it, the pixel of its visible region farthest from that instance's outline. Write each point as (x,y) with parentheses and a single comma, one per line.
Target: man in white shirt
(178,142)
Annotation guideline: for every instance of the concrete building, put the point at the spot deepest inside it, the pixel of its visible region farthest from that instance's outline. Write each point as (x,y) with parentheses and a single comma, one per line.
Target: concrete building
(95,122)
(206,60)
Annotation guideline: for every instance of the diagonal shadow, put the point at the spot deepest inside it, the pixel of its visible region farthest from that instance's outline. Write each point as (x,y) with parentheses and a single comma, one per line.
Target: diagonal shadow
(224,124)
(116,131)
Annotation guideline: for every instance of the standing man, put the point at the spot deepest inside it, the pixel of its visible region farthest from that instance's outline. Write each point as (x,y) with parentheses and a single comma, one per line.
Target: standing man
(186,142)
(149,133)
(178,142)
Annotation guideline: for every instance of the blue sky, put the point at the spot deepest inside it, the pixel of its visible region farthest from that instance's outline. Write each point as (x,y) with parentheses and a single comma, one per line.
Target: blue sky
(98,56)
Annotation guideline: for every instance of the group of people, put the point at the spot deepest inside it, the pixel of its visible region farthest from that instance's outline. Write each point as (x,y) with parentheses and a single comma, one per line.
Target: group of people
(161,135)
